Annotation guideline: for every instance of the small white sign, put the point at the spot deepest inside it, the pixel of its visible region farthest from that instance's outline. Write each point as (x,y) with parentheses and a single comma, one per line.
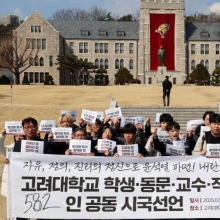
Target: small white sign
(89,116)
(104,144)
(61,134)
(28,146)
(80,147)
(213,151)
(133,120)
(163,136)
(113,113)
(100,115)
(194,123)
(179,143)
(204,129)
(127,150)
(70,112)
(173,150)
(46,126)
(157,121)
(14,128)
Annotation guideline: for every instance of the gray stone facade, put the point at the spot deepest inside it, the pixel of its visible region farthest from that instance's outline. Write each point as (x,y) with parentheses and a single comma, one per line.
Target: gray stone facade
(10,19)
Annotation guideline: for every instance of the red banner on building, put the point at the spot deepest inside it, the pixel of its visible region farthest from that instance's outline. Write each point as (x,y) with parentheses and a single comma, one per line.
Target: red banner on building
(162,33)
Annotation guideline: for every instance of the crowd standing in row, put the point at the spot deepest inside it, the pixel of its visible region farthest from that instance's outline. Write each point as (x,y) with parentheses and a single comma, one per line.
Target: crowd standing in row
(149,144)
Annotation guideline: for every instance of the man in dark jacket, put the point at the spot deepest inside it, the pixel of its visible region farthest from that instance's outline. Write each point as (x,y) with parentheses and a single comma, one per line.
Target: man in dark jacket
(167,86)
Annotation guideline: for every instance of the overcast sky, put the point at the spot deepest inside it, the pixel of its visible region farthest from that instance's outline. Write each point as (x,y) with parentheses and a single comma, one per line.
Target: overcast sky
(24,8)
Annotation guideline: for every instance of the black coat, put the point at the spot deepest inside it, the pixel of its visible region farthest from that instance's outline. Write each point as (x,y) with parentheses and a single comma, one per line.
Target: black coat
(167,85)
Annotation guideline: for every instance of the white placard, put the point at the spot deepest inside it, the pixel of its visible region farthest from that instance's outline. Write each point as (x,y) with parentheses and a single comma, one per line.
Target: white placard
(133,120)
(113,112)
(157,121)
(89,116)
(80,147)
(179,143)
(59,186)
(163,136)
(140,119)
(194,123)
(204,129)
(172,150)
(61,134)
(70,112)
(14,128)
(127,150)
(46,126)
(28,146)
(213,151)
(100,115)
(106,145)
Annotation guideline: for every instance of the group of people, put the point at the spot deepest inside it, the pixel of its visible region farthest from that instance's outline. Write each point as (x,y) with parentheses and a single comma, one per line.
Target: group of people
(145,136)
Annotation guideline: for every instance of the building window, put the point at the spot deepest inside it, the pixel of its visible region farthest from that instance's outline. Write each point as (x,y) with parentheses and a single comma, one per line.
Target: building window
(44,44)
(121,63)
(204,34)
(193,64)
(28,43)
(131,64)
(71,47)
(106,64)
(38,43)
(131,48)
(202,62)
(41,77)
(206,48)
(41,61)
(31,78)
(202,47)
(39,29)
(34,45)
(149,80)
(106,47)
(32,29)
(101,64)
(193,49)
(102,33)
(174,81)
(122,48)
(117,64)
(84,33)
(101,48)
(35,29)
(207,64)
(96,47)
(97,64)
(26,75)
(36,61)
(36,77)
(120,33)
(31,61)
(217,49)
(119,48)
(83,47)
(51,60)
(216,64)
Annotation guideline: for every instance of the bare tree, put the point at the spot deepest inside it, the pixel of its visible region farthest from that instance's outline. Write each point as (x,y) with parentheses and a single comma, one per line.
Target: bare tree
(97,14)
(136,15)
(15,56)
(214,17)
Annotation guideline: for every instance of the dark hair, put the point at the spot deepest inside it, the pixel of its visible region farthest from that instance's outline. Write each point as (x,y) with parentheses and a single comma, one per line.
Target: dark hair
(129,128)
(98,122)
(214,118)
(28,121)
(79,129)
(171,125)
(112,131)
(207,113)
(167,77)
(165,117)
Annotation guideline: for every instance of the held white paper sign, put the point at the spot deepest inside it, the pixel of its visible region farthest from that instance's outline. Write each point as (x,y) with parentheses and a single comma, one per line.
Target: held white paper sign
(58,186)
(100,115)
(104,144)
(213,151)
(133,120)
(127,150)
(204,129)
(163,136)
(194,123)
(175,150)
(113,113)
(28,146)
(46,126)
(179,143)
(140,119)
(89,116)
(157,121)
(14,128)
(70,112)
(61,134)
(80,147)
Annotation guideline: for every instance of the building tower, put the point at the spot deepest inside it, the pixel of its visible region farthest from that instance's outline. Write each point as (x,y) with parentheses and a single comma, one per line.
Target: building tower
(162,23)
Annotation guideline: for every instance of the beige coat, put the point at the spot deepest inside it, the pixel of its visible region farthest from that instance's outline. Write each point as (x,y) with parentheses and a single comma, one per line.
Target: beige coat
(198,148)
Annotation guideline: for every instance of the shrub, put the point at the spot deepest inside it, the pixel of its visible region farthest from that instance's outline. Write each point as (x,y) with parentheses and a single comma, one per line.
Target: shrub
(123,76)
(134,81)
(4,80)
(48,80)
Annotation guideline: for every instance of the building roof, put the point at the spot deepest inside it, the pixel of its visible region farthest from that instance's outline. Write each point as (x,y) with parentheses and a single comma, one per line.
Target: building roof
(199,31)
(73,29)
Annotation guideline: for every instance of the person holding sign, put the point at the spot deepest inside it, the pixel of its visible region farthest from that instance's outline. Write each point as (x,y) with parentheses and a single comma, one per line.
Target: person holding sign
(129,131)
(210,137)
(172,129)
